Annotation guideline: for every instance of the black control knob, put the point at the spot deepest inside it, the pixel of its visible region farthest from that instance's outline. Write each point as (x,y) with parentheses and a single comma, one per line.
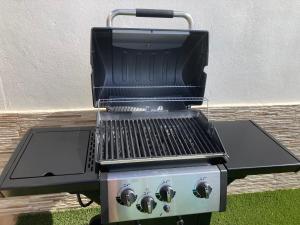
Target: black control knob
(166,193)
(127,197)
(202,190)
(147,204)
(167,208)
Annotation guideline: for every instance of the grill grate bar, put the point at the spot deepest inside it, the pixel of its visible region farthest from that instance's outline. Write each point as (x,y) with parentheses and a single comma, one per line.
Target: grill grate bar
(158,142)
(203,136)
(166,135)
(126,138)
(117,140)
(111,140)
(145,139)
(190,139)
(201,148)
(180,146)
(152,138)
(140,138)
(152,148)
(135,145)
(163,139)
(121,130)
(181,135)
(171,136)
(107,137)
(101,141)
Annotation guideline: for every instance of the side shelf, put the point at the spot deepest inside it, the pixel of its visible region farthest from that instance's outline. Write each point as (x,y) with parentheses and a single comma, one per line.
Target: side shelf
(253,151)
(49,160)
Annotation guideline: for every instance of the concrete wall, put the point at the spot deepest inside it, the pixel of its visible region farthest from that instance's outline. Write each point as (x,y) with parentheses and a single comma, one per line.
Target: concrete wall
(44,49)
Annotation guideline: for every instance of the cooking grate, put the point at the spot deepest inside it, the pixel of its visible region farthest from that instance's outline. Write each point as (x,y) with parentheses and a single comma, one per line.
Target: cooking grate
(148,139)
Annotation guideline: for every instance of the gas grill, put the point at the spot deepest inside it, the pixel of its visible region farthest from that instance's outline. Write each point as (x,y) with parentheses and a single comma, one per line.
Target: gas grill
(149,141)
(154,157)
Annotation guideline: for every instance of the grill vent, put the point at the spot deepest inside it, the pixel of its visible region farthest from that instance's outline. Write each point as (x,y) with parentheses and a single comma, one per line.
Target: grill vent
(90,164)
(155,138)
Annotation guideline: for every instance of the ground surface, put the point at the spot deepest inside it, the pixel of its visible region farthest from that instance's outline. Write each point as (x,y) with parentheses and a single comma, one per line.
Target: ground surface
(266,208)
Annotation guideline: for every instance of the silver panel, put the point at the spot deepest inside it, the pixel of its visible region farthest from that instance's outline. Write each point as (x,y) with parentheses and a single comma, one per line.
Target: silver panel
(148,182)
(165,158)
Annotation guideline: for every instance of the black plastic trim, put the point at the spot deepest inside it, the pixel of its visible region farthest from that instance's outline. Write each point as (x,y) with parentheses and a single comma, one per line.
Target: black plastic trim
(223,187)
(161,13)
(104,198)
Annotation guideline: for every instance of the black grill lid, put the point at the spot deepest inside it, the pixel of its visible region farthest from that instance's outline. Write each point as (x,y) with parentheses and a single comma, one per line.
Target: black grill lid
(132,65)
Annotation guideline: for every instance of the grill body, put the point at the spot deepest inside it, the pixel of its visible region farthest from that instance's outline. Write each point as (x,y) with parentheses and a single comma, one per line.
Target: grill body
(148,138)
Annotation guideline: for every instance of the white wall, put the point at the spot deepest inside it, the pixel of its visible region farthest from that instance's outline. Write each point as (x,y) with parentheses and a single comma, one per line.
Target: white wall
(44,49)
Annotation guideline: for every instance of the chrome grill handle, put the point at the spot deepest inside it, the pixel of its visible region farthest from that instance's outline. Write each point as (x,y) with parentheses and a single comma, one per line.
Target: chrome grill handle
(149,13)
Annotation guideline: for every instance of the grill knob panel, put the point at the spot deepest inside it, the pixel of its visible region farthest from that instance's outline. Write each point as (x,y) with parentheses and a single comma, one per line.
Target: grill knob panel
(127,197)
(166,193)
(202,190)
(147,205)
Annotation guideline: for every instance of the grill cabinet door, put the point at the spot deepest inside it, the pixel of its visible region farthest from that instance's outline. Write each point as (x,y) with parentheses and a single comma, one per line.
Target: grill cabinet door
(51,160)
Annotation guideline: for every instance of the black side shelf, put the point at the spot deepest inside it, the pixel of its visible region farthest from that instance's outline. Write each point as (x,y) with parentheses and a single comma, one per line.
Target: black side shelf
(49,160)
(253,151)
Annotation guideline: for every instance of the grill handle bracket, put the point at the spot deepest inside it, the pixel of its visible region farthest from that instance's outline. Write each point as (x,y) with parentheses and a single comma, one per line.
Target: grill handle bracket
(159,13)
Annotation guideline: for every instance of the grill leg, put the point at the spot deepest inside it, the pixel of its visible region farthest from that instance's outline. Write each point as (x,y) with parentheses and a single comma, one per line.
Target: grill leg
(197,219)
(205,219)
(96,220)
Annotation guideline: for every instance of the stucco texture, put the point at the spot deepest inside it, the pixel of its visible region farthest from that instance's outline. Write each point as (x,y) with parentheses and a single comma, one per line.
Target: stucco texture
(44,49)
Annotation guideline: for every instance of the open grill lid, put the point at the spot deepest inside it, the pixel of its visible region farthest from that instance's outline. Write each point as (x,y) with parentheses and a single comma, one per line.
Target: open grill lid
(133,67)
(151,70)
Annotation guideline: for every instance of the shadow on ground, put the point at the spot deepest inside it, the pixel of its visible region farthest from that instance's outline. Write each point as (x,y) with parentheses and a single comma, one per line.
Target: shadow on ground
(35,219)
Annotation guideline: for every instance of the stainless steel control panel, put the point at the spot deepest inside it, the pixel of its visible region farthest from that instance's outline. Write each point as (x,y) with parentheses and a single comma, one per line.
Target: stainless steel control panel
(143,194)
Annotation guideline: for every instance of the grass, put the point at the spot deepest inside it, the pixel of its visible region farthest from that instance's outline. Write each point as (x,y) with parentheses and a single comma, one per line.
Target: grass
(266,208)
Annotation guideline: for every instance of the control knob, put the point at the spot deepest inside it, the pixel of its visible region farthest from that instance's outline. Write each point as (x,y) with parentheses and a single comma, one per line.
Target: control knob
(127,197)
(166,193)
(202,190)
(147,205)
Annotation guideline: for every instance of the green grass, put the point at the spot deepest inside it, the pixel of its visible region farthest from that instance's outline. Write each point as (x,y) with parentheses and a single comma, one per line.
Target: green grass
(267,208)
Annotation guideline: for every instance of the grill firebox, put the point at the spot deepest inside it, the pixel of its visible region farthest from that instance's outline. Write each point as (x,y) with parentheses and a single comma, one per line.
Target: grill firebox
(158,138)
